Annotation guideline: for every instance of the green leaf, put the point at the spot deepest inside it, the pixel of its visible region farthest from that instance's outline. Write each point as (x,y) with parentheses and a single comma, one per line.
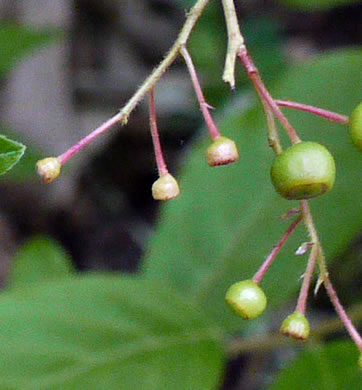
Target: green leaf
(226,220)
(105,332)
(333,366)
(317,4)
(40,259)
(10,153)
(25,169)
(17,41)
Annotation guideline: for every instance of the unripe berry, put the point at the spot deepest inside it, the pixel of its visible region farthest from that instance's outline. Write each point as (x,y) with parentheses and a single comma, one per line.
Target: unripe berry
(296,326)
(355,126)
(303,171)
(48,169)
(246,299)
(165,188)
(222,151)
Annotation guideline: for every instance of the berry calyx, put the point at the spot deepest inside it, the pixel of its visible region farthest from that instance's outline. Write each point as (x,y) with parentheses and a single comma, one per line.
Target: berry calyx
(222,151)
(303,171)
(48,169)
(355,126)
(297,326)
(246,299)
(165,188)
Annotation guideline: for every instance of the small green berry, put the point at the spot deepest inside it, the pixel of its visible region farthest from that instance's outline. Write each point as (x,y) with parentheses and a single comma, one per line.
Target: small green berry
(296,326)
(246,299)
(222,151)
(355,126)
(165,188)
(303,171)
(48,169)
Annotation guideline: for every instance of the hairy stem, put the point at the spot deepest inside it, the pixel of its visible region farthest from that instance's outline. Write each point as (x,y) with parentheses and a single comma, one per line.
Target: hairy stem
(309,223)
(264,94)
(63,158)
(307,277)
(235,41)
(324,277)
(330,115)
(160,160)
(235,46)
(356,337)
(273,134)
(192,18)
(269,260)
(200,96)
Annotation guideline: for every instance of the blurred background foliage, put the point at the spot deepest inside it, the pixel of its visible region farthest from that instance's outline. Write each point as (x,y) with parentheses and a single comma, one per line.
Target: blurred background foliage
(167,326)
(19,41)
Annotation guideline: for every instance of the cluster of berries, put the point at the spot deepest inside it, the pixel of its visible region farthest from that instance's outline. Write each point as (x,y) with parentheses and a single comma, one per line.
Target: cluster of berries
(304,171)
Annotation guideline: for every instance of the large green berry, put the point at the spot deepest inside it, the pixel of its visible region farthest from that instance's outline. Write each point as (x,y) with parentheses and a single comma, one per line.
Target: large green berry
(222,151)
(355,126)
(246,299)
(296,326)
(303,171)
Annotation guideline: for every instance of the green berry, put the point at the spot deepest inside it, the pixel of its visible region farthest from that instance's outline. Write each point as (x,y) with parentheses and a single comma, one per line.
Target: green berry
(355,126)
(303,171)
(246,299)
(48,169)
(222,151)
(296,326)
(165,188)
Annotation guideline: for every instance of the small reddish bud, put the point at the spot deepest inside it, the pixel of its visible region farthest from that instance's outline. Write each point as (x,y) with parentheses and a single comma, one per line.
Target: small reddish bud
(222,151)
(165,188)
(48,169)
(246,299)
(297,326)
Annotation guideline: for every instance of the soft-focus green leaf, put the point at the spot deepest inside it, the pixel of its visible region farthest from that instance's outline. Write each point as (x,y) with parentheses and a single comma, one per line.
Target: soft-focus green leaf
(317,4)
(333,366)
(40,259)
(227,219)
(105,332)
(10,153)
(25,169)
(16,41)
(185,3)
